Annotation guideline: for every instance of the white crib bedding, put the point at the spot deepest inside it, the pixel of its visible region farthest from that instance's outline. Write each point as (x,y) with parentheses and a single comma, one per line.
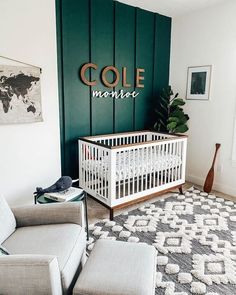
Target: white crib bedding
(133,164)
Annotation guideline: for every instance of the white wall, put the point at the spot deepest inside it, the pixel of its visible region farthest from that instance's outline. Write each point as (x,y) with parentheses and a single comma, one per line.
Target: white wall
(208,37)
(30,153)
(172,8)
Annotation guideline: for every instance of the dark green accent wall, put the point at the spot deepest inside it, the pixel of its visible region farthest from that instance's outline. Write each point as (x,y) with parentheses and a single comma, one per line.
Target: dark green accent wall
(125,26)
(107,32)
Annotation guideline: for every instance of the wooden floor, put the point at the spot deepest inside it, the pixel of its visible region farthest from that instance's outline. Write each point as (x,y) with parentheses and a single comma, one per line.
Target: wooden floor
(97,212)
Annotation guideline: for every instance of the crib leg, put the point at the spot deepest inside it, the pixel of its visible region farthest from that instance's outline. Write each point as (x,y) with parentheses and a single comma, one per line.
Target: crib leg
(111,214)
(181,190)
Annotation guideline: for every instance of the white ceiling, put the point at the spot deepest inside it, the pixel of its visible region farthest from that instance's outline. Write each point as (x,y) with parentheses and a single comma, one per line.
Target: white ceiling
(173,7)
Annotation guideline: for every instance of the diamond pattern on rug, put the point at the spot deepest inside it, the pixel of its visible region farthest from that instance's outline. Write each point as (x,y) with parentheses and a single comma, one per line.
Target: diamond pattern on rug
(214,269)
(141,223)
(173,242)
(195,238)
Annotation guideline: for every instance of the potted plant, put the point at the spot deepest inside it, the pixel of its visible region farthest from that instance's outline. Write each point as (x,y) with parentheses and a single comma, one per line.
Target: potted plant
(170,116)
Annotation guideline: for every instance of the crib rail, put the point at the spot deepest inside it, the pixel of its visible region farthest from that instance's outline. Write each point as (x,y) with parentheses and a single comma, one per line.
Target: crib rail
(122,167)
(121,139)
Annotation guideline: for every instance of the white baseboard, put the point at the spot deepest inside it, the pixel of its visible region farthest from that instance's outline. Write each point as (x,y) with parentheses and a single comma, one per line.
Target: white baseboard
(220,187)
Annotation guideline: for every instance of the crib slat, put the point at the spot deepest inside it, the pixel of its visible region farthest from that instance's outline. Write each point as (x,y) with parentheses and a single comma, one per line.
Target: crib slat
(138,169)
(165,170)
(99,172)
(174,163)
(157,170)
(93,166)
(171,162)
(162,154)
(181,153)
(177,157)
(106,177)
(88,166)
(96,172)
(154,161)
(177,154)
(133,164)
(142,167)
(151,165)
(160,178)
(148,168)
(164,166)
(128,185)
(178,167)
(102,173)
(124,172)
(119,174)
(106,180)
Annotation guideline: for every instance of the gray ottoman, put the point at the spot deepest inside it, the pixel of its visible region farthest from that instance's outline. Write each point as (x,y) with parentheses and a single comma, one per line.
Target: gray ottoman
(118,268)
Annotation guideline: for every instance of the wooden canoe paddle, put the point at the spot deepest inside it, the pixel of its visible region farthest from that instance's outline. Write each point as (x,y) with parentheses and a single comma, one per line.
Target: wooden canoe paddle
(210,176)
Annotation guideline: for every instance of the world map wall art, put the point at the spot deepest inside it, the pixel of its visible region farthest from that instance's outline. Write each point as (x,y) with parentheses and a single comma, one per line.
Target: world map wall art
(20,94)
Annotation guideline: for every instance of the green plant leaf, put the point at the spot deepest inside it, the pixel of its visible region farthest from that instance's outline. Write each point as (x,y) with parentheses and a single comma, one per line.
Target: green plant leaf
(181,128)
(182,119)
(187,117)
(171,126)
(173,119)
(176,95)
(178,102)
(177,113)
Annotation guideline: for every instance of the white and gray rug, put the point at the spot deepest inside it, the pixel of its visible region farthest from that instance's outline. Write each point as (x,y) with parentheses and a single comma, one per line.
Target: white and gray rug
(195,238)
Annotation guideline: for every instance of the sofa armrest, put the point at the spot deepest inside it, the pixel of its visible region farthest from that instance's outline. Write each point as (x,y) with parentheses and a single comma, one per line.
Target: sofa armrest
(72,212)
(30,274)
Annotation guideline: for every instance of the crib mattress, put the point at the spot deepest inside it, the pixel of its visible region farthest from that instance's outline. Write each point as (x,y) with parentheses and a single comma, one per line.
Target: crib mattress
(133,164)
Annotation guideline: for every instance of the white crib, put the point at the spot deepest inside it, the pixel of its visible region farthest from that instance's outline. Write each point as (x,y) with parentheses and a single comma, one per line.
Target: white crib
(120,169)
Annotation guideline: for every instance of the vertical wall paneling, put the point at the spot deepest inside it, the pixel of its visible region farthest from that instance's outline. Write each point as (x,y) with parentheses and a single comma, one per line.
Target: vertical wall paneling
(162,53)
(107,32)
(60,80)
(144,59)
(124,57)
(161,58)
(75,35)
(102,22)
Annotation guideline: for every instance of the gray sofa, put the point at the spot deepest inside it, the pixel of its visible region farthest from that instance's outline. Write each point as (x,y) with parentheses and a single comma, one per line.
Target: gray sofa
(47,247)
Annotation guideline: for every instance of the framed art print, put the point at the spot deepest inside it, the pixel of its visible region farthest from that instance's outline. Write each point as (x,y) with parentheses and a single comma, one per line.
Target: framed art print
(20,94)
(198,84)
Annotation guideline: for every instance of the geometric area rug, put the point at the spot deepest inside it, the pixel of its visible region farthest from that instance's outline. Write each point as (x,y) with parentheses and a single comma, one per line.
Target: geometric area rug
(195,238)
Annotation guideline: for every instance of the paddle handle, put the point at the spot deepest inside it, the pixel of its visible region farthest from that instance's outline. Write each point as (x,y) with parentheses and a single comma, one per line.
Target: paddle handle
(210,176)
(216,151)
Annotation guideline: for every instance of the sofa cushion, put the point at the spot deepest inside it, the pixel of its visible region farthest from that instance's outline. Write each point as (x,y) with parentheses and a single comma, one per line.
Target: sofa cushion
(7,220)
(65,241)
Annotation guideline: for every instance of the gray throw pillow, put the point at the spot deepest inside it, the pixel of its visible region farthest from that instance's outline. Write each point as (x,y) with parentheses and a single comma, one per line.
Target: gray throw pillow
(3,251)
